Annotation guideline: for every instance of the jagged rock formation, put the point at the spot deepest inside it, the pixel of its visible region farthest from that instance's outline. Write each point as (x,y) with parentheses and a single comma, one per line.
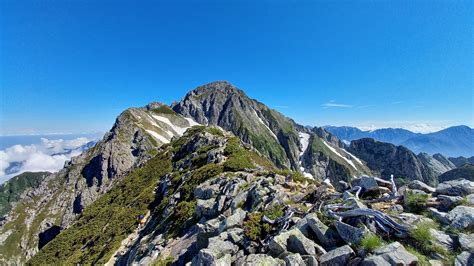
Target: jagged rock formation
(60,197)
(388,159)
(277,137)
(460,161)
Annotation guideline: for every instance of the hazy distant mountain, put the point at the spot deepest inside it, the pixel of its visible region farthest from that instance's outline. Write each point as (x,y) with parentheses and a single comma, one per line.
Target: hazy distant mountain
(452,141)
(460,161)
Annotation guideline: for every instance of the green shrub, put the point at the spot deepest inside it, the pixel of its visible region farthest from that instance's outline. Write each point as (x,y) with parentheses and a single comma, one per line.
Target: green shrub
(370,242)
(215,131)
(415,202)
(424,239)
(255,228)
(274,212)
(99,230)
(238,158)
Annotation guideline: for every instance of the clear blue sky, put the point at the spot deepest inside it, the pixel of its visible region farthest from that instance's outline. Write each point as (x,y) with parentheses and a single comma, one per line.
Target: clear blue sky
(73,66)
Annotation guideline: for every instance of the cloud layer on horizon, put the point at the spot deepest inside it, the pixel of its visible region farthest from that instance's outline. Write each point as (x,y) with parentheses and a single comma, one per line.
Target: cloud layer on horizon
(49,155)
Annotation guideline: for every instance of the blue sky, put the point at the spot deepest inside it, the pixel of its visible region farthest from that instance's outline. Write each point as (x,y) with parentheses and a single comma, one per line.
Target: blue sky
(73,66)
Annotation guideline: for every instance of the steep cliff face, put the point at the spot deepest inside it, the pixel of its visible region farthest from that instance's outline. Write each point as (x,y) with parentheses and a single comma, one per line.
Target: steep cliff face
(51,207)
(388,159)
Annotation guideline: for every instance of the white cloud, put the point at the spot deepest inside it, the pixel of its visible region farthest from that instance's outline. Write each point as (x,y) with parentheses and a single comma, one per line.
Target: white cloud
(332,103)
(414,126)
(49,155)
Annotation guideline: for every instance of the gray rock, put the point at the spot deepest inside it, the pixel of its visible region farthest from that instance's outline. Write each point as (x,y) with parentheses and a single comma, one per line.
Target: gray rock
(458,187)
(326,236)
(235,220)
(298,243)
(367,183)
(461,217)
(417,184)
(466,241)
(470,199)
(294,241)
(235,235)
(206,191)
(392,254)
(259,259)
(294,260)
(448,202)
(349,233)
(215,253)
(338,256)
(443,239)
(396,208)
(439,216)
(310,260)
(466,258)
(206,208)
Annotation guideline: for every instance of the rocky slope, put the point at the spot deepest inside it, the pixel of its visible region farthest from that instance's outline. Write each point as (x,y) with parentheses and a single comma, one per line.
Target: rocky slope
(48,209)
(11,190)
(388,159)
(209,200)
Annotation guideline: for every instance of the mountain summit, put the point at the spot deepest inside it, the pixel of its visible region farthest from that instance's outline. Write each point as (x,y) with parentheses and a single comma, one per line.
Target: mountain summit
(215,153)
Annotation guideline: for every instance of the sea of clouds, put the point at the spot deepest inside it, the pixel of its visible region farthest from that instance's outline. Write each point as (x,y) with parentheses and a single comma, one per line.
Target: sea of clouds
(49,155)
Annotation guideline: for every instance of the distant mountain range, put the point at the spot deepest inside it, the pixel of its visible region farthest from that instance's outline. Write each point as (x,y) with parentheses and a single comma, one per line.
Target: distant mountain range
(453,141)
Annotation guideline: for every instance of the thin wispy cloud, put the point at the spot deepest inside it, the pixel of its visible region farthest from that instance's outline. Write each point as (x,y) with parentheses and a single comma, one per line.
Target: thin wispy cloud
(398,102)
(336,105)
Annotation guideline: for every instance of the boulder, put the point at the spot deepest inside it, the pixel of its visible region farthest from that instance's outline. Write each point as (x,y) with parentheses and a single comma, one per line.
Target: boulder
(326,236)
(349,233)
(259,259)
(298,243)
(294,260)
(458,187)
(448,202)
(338,256)
(294,241)
(470,199)
(216,253)
(392,254)
(461,217)
(396,208)
(207,230)
(443,239)
(367,183)
(235,220)
(310,260)
(466,258)
(206,208)
(439,216)
(466,241)
(206,191)
(417,184)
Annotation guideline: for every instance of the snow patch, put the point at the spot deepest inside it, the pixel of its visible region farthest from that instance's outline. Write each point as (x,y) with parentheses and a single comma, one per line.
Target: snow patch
(338,154)
(353,157)
(157,136)
(304,140)
(261,122)
(192,122)
(179,130)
